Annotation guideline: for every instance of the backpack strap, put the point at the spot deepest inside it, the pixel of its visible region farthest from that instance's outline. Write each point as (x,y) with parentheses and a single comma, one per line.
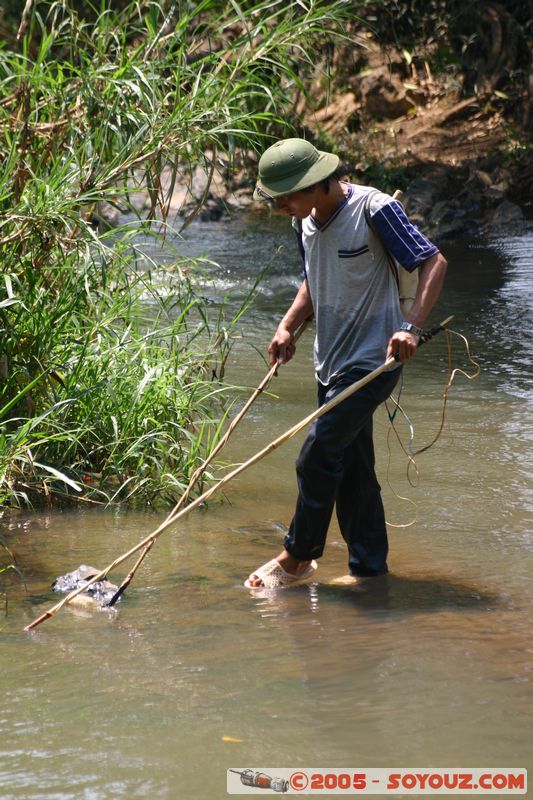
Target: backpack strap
(390,258)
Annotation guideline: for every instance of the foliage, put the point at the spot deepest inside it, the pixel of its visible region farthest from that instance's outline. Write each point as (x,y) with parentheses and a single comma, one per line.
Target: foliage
(106,372)
(405,22)
(389,174)
(119,391)
(488,40)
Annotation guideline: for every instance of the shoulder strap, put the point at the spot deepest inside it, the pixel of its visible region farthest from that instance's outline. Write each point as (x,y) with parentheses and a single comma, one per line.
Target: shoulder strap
(390,257)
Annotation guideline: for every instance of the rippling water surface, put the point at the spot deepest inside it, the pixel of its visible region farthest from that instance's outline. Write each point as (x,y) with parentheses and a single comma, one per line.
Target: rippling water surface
(429,666)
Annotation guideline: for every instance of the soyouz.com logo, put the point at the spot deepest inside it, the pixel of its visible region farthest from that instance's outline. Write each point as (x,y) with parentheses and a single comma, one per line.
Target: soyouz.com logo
(416,780)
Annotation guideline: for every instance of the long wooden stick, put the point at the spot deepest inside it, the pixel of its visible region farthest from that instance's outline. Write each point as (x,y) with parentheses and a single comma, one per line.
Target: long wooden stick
(220,444)
(149,540)
(319,412)
(202,468)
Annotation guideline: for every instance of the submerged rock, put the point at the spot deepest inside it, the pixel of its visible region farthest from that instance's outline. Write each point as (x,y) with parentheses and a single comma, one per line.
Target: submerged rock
(99,593)
(506,213)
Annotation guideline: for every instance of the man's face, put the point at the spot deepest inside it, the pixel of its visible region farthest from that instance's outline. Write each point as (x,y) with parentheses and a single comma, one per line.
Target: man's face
(298,204)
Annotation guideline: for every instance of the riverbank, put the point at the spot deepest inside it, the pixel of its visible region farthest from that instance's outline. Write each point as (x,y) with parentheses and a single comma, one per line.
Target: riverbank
(463,196)
(463,160)
(459,194)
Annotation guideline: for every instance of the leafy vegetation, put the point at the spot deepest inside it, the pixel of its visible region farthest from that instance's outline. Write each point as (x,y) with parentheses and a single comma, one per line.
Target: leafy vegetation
(489,41)
(110,379)
(118,381)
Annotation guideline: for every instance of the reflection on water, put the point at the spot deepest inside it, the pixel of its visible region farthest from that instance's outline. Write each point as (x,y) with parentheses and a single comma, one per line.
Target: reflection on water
(430,665)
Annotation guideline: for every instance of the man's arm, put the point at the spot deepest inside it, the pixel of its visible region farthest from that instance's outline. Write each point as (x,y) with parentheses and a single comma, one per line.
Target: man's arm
(432,272)
(281,347)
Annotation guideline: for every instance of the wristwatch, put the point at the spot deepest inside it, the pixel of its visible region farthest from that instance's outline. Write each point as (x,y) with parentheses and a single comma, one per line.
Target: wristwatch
(410,328)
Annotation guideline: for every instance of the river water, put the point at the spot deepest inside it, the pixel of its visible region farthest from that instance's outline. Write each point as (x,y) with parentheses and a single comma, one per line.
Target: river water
(431,666)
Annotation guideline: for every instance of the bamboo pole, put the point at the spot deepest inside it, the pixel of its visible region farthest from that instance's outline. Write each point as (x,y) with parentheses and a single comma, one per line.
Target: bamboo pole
(202,468)
(316,414)
(253,397)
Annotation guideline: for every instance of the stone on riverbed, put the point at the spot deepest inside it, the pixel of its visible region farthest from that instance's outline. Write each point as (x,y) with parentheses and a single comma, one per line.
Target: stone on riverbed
(97,594)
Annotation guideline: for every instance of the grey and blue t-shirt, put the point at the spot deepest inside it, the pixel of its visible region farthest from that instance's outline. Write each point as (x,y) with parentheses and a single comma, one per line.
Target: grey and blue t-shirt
(352,287)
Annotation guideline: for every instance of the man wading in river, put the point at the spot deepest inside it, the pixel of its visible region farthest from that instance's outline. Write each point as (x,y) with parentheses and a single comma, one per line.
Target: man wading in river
(350,289)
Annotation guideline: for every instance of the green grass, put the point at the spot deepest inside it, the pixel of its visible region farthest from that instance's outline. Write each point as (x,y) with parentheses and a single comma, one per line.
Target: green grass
(111,388)
(116,389)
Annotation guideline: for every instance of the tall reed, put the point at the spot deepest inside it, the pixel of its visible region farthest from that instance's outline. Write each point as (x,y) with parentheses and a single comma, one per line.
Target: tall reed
(104,394)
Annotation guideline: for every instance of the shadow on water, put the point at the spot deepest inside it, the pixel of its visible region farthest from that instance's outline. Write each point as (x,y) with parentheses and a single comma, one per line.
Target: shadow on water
(414,595)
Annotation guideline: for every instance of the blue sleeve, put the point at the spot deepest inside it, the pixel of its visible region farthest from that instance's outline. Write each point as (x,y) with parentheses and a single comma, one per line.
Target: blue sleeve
(403,239)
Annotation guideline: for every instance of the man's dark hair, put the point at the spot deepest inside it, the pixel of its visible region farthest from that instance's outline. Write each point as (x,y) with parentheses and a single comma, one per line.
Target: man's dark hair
(325,182)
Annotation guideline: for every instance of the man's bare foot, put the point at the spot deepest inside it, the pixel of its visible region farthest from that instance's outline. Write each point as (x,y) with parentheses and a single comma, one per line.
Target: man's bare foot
(289,563)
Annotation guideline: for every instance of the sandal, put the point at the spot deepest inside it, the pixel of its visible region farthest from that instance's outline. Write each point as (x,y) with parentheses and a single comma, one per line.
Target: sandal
(274,576)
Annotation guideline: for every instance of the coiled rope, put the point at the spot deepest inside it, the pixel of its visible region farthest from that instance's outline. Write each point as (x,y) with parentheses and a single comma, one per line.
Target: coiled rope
(408,448)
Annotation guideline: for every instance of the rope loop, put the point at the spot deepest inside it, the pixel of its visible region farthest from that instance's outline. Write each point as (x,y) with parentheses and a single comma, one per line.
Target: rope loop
(408,448)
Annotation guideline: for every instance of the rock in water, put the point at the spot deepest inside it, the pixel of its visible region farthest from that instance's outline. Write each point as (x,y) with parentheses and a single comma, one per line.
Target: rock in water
(99,593)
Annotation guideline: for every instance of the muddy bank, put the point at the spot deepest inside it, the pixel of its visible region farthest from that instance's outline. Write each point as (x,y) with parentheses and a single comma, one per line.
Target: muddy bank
(446,201)
(462,153)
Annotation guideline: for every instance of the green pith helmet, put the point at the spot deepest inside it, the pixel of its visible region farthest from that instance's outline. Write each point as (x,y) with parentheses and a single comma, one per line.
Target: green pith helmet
(290,165)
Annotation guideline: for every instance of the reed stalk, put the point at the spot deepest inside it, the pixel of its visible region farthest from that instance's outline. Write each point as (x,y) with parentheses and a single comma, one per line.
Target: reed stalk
(110,105)
(202,468)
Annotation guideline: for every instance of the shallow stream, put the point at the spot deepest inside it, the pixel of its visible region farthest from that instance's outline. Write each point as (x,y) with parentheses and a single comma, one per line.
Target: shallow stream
(430,666)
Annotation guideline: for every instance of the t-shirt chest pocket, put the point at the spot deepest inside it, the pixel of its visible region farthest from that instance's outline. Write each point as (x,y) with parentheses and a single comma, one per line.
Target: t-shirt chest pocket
(356,262)
(356,268)
(351,255)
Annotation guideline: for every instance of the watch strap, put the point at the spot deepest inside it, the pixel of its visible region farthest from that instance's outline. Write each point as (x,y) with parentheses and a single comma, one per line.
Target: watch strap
(410,328)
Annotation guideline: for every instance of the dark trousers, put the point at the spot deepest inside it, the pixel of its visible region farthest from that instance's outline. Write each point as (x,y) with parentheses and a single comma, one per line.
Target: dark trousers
(336,467)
